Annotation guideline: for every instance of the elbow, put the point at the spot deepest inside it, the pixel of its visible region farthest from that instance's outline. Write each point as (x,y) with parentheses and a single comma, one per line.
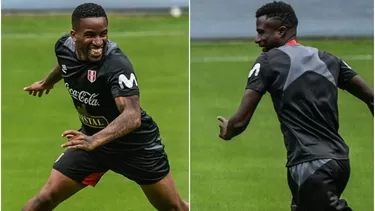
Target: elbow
(137,122)
(133,120)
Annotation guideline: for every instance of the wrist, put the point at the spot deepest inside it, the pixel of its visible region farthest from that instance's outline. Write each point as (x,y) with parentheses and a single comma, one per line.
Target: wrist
(96,141)
(46,83)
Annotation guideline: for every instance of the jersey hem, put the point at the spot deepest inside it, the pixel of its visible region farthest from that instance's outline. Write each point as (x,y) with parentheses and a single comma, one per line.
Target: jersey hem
(315,158)
(126,95)
(257,90)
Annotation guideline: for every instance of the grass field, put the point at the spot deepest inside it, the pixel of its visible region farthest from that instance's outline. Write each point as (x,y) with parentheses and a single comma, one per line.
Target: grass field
(248,172)
(31,129)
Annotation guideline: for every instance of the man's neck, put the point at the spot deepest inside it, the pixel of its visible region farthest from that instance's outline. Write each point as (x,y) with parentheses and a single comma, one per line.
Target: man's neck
(80,55)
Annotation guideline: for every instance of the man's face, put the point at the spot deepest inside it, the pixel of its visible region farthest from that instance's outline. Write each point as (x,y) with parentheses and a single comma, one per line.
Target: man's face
(90,38)
(269,33)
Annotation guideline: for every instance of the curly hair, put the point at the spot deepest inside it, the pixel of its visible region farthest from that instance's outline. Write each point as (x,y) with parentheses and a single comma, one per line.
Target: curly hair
(87,10)
(281,11)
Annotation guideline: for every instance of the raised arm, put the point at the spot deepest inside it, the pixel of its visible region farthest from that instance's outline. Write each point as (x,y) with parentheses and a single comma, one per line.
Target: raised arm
(38,88)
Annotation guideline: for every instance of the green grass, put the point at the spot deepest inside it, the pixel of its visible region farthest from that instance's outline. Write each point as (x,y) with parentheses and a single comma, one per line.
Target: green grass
(245,174)
(248,173)
(32,126)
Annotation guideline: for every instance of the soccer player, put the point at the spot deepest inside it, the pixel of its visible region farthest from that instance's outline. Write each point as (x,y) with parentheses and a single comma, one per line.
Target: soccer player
(303,83)
(116,134)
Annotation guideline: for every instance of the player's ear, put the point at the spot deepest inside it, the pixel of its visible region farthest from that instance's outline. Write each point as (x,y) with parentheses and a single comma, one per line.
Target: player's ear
(73,34)
(282,31)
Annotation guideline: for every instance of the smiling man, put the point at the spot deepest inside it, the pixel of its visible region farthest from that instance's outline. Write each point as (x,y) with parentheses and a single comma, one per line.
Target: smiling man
(303,83)
(116,134)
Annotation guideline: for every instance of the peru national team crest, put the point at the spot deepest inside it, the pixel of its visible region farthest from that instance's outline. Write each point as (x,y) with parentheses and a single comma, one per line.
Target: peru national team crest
(91,75)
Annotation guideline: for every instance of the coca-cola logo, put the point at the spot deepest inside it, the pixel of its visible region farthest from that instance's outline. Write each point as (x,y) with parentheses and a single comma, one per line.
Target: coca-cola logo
(83,96)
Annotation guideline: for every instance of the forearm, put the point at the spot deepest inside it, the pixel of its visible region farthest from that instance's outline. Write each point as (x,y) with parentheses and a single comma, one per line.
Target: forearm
(54,76)
(358,88)
(125,123)
(236,126)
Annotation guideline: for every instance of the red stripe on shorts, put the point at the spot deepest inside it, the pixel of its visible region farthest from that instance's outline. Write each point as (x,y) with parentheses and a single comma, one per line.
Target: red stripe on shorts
(93,178)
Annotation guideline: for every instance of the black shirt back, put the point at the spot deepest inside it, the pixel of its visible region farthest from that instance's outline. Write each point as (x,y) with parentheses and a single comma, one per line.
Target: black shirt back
(303,85)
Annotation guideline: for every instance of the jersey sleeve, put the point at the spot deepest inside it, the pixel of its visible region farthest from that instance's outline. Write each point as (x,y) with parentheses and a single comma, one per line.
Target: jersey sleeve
(259,75)
(60,42)
(122,79)
(346,73)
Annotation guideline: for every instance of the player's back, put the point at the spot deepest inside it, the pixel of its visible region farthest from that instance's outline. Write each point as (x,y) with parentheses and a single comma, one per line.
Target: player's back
(303,86)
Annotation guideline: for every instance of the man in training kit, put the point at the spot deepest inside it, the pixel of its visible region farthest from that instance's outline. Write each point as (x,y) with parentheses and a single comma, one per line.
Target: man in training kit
(116,133)
(302,82)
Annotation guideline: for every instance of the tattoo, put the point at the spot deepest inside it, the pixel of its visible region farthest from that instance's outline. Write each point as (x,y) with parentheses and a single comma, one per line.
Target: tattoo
(54,76)
(126,122)
(38,203)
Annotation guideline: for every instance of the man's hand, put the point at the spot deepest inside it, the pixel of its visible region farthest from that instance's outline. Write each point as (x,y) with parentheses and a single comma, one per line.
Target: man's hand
(224,128)
(78,140)
(38,88)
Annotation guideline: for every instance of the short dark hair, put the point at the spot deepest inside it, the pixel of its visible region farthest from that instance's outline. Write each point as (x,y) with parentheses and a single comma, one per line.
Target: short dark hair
(87,10)
(281,11)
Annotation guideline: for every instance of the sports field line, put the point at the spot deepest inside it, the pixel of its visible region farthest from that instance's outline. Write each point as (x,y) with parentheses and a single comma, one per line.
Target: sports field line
(112,34)
(224,59)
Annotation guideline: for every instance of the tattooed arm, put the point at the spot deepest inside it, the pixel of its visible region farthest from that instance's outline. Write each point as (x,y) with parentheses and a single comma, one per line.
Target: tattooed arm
(124,88)
(37,88)
(126,122)
(54,76)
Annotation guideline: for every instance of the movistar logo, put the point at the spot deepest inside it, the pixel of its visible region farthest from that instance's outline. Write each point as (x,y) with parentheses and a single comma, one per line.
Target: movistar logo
(128,82)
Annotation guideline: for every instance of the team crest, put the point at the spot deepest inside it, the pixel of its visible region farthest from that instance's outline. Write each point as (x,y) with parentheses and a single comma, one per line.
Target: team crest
(91,75)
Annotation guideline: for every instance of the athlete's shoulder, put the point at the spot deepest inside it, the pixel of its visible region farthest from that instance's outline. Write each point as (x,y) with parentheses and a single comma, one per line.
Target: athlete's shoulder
(328,57)
(273,54)
(114,57)
(113,51)
(273,57)
(263,57)
(326,54)
(63,41)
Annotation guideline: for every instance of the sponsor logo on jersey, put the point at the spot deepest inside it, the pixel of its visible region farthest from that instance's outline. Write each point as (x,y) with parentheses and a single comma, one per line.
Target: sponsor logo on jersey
(63,68)
(128,82)
(255,70)
(83,96)
(94,121)
(90,120)
(91,75)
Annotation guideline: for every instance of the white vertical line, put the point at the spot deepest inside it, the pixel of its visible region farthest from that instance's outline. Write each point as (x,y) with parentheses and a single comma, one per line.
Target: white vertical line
(0,115)
(189,111)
